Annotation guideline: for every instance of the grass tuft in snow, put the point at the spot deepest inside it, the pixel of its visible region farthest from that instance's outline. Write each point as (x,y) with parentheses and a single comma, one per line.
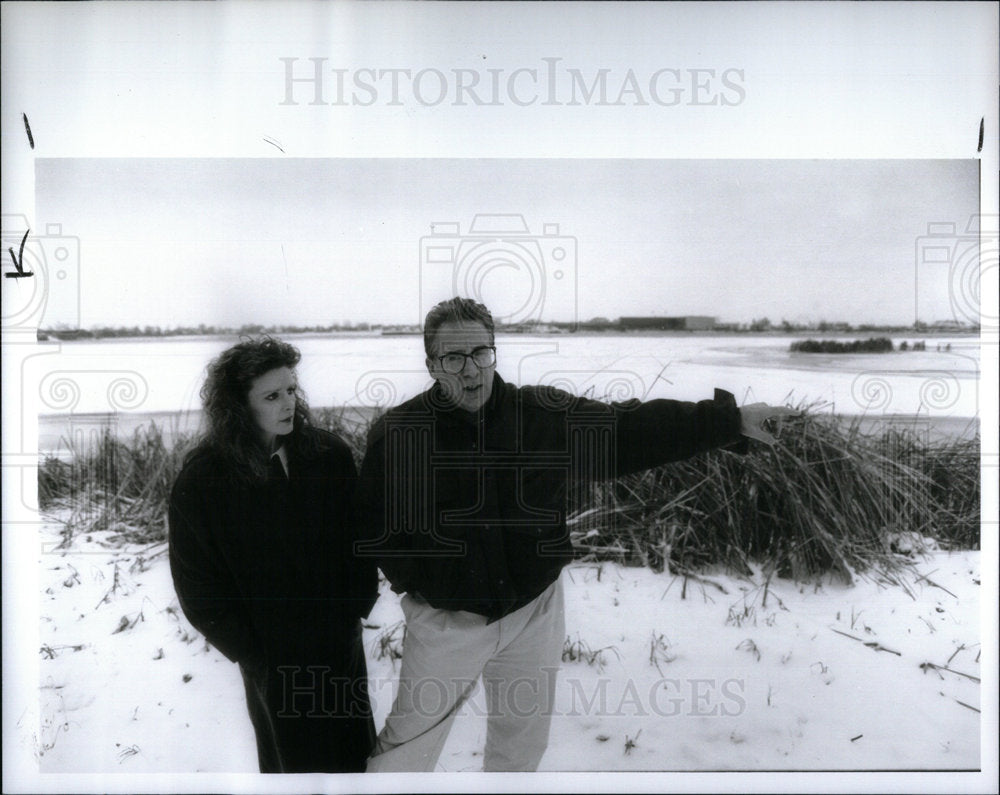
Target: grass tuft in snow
(659,651)
(579,651)
(749,646)
(388,644)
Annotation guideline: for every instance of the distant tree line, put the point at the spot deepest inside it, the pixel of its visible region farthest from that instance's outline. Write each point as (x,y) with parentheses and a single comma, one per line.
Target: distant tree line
(870,345)
(201,330)
(757,325)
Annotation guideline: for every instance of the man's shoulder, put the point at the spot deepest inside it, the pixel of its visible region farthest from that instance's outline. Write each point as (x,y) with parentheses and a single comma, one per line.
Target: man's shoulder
(541,396)
(413,411)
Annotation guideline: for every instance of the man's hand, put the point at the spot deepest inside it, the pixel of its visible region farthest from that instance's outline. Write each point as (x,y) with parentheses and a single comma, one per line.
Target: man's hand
(752,418)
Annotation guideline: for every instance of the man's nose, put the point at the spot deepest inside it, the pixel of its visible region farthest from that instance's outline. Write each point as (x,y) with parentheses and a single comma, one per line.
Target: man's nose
(469,368)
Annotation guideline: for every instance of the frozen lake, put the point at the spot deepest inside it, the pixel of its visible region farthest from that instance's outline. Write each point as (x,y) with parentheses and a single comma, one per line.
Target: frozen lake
(130,381)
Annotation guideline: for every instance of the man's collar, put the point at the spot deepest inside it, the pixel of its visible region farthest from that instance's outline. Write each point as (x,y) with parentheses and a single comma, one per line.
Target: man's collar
(443,409)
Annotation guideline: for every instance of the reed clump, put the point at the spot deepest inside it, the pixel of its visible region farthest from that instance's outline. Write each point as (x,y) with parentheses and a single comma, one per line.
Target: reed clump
(118,487)
(828,497)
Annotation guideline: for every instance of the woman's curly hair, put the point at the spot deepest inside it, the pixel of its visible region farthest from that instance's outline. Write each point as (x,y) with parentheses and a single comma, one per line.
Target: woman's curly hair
(231,431)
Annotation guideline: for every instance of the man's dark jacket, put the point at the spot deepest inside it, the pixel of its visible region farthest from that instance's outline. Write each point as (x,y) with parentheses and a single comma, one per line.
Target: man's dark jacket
(267,573)
(468,509)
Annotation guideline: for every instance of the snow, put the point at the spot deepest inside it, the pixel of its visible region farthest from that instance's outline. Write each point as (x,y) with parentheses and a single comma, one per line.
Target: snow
(703,674)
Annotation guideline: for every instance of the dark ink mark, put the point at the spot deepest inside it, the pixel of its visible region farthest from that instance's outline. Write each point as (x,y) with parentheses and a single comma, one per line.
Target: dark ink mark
(19,261)
(274,144)
(857,738)
(982,129)
(31,140)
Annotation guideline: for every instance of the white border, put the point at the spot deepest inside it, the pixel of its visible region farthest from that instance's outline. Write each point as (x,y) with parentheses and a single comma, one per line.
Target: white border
(823,80)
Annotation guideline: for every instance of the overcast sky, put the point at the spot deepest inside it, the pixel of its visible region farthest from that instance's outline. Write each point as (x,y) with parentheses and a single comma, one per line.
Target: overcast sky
(317,241)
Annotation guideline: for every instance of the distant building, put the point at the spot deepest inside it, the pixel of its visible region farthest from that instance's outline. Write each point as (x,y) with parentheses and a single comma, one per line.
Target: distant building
(682,323)
(948,325)
(699,323)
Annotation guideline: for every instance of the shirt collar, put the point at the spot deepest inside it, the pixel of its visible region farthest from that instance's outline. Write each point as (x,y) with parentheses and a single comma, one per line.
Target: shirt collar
(282,453)
(437,403)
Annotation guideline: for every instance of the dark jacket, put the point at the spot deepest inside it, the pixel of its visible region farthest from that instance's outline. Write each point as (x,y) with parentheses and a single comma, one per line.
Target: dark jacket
(266,572)
(469,509)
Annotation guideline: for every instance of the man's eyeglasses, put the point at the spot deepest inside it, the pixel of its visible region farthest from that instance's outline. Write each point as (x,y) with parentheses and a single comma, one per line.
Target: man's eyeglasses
(454,363)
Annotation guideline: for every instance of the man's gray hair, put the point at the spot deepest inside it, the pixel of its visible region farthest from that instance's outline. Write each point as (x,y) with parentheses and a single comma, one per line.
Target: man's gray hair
(455,310)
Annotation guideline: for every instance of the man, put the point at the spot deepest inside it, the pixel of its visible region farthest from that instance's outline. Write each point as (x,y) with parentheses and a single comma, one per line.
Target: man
(463,505)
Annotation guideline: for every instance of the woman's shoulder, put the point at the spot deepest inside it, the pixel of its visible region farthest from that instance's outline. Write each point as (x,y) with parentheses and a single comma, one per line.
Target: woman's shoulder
(202,467)
(201,457)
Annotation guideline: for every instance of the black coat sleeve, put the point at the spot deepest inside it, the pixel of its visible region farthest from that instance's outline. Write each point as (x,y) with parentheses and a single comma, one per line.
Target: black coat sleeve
(207,591)
(382,535)
(640,435)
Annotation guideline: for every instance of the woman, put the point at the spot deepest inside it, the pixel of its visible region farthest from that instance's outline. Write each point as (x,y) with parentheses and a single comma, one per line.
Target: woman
(261,557)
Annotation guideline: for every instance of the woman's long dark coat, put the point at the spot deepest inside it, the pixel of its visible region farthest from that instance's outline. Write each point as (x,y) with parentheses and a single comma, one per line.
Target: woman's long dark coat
(267,573)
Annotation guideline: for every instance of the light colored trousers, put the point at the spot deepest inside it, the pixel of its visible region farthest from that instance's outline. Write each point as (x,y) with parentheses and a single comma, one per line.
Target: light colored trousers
(444,653)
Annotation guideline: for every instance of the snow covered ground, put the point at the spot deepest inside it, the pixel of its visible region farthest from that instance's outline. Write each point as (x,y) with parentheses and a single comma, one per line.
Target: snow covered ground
(709,674)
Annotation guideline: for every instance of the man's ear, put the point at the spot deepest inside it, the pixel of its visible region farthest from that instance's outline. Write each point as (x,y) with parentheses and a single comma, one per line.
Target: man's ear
(429,364)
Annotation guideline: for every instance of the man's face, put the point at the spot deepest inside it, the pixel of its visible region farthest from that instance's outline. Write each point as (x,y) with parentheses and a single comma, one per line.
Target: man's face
(470,388)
